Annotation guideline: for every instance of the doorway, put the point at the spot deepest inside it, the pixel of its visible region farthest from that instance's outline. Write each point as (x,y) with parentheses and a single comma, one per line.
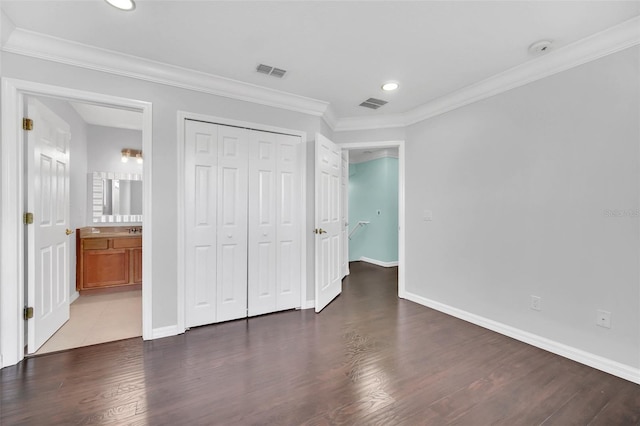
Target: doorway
(374,150)
(12,300)
(100,189)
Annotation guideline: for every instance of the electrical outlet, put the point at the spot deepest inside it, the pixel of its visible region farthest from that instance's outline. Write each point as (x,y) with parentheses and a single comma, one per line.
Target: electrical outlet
(603,319)
(427,216)
(536,303)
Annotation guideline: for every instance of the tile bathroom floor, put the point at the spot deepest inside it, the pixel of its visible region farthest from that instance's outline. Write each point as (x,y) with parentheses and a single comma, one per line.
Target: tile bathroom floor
(99,318)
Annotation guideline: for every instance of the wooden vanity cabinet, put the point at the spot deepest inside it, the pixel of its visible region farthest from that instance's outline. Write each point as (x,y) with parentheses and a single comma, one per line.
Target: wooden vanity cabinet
(108,262)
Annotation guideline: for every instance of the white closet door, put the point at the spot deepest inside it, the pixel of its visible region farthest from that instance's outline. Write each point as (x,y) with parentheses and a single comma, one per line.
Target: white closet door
(288,195)
(201,183)
(263,155)
(232,223)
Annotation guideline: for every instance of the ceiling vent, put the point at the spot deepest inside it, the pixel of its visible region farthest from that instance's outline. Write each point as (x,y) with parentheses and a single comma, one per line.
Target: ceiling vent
(373,103)
(272,71)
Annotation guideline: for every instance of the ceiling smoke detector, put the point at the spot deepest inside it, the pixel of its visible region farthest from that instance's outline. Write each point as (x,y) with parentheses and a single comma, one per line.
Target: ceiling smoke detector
(540,47)
(272,71)
(373,103)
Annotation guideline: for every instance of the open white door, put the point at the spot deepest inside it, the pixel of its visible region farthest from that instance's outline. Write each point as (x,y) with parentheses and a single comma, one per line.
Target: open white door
(48,237)
(328,231)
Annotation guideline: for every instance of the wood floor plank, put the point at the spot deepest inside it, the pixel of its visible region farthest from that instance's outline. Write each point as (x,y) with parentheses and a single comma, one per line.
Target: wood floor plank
(368,359)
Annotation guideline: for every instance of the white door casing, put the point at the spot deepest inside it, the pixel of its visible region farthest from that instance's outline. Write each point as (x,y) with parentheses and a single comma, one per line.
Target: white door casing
(48,284)
(201,177)
(328,231)
(344,211)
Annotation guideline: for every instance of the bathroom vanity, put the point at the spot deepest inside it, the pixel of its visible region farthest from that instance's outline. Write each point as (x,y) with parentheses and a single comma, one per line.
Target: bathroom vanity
(108,256)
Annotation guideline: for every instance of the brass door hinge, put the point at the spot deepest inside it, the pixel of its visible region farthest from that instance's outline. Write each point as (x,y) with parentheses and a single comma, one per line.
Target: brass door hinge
(28,312)
(27,124)
(28,218)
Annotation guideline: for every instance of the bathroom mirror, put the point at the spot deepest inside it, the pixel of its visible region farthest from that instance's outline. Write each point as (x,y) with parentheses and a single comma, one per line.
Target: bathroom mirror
(116,197)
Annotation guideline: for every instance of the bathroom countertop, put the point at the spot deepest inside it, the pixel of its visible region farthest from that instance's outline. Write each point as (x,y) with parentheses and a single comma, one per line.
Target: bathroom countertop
(110,231)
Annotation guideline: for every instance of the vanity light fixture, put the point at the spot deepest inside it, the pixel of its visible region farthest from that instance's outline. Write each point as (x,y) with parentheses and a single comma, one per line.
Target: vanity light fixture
(390,85)
(131,153)
(127,5)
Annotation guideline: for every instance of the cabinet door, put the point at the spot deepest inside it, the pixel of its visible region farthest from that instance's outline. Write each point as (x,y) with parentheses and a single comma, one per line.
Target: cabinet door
(136,255)
(105,268)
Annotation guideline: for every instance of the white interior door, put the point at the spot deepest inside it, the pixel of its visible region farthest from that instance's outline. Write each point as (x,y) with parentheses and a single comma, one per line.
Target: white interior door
(232,222)
(48,284)
(288,214)
(263,148)
(201,183)
(344,211)
(274,223)
(328,231)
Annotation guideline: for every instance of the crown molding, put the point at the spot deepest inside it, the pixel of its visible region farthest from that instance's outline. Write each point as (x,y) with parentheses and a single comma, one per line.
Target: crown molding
(611,40)
(41,46)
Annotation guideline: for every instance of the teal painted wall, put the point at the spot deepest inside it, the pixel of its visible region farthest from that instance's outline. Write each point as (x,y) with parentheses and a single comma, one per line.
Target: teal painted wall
(373,187)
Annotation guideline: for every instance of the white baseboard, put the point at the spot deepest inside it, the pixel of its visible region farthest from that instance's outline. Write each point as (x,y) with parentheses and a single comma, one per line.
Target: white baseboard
(615,368)
(74,296)
(171,330)
(379,262)
(309,304)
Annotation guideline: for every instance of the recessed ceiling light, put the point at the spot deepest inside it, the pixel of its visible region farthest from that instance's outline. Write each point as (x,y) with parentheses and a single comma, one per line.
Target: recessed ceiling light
(122,4)
(390,85)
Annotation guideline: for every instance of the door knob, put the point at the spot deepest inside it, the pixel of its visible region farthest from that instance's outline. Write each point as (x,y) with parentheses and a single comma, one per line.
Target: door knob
(68,232)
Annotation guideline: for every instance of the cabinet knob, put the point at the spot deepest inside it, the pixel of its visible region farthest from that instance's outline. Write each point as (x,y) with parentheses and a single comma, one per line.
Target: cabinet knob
(229,235)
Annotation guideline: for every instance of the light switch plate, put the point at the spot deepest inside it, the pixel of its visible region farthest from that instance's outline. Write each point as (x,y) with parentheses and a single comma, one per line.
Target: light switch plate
(427,215)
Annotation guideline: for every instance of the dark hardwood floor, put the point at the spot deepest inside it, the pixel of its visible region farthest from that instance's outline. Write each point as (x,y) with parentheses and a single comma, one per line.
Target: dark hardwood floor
(367,359)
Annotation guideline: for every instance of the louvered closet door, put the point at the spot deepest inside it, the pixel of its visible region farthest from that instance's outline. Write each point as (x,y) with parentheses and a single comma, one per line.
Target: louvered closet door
(232,223)
(201,182)
(274,223)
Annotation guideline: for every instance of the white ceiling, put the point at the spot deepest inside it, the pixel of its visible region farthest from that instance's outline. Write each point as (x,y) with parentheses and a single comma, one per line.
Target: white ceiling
(336,51)
(109,117)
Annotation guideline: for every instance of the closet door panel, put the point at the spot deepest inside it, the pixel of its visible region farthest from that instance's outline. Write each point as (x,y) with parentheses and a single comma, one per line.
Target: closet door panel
(262,223)
(201,154)
(288,194)
(232,223)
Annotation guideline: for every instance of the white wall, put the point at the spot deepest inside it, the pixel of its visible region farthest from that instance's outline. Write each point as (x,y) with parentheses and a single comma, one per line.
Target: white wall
(167,101)
(520,185)
(105,149)
(77,175)
(377,135)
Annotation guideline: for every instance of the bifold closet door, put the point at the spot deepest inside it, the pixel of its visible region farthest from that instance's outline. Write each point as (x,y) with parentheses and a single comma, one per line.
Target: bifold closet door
(274,223)
(233,144)
(201,183)
(216,223)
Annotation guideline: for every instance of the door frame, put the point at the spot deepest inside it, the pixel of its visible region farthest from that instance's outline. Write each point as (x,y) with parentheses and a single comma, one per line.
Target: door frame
(401,200)
(302,158)
(12,244)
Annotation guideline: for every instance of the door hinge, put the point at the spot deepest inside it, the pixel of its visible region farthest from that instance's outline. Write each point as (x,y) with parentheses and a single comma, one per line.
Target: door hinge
(27,124)
(28,218)
(28,312)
